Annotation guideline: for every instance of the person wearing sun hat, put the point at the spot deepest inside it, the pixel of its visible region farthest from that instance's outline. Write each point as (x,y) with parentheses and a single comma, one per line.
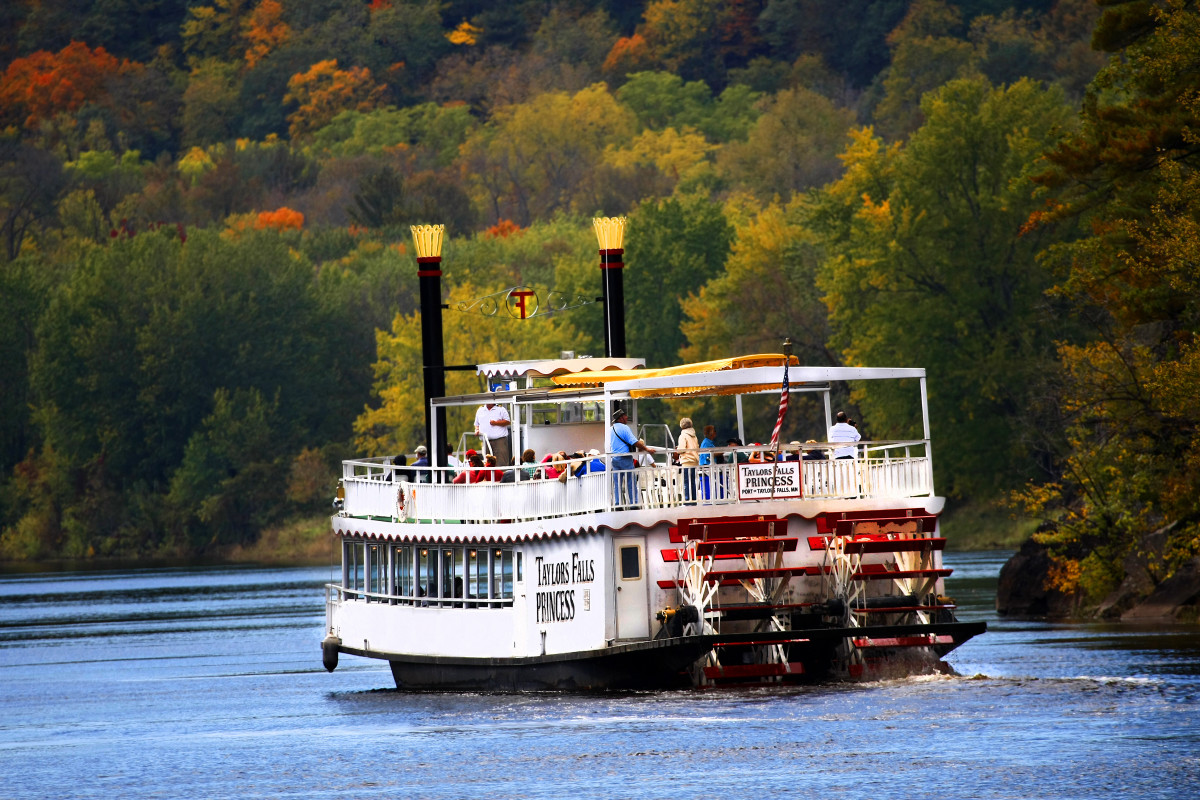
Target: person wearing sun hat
(623,444)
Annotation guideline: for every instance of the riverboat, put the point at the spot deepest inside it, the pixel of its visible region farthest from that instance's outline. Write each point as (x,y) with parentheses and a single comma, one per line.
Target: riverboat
(763,565)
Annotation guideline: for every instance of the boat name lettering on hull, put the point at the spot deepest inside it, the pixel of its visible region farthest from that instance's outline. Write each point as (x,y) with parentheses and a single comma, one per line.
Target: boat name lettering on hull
(559,606)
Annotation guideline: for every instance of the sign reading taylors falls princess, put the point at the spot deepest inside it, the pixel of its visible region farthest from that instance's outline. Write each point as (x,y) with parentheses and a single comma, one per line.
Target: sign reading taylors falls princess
(768,480)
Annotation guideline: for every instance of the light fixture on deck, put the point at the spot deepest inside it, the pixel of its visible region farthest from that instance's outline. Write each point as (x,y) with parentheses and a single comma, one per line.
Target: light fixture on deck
(787,349)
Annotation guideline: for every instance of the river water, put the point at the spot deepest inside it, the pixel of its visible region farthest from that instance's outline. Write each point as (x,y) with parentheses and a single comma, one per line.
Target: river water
(207,683)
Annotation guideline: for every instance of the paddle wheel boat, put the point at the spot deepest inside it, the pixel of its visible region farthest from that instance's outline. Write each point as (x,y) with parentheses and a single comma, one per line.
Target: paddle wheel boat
(743,570)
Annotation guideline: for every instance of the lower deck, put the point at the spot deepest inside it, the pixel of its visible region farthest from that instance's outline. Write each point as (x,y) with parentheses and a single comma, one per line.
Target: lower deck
(736,597)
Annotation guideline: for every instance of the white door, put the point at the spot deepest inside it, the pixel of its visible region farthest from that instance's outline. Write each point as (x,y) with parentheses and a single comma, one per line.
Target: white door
(633,599)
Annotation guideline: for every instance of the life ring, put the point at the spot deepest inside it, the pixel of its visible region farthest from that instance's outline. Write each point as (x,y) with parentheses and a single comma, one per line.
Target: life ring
(400,513)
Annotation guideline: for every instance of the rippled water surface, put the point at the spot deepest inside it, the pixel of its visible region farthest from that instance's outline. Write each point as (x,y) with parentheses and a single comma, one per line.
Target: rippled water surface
(207,683)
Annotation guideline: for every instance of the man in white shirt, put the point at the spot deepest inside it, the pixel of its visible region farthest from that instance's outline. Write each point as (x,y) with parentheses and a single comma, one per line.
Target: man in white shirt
(844,432)
(492,423)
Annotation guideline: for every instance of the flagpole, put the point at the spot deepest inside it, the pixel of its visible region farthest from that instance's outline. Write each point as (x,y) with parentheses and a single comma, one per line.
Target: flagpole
(783,404)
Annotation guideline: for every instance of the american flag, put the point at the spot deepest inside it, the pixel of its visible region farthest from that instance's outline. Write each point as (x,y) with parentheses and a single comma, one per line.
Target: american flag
(783,404)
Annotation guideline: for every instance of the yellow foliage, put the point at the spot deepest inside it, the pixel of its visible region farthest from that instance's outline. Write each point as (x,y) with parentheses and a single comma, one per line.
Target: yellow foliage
(676,154)
(465,34)
(1064,575)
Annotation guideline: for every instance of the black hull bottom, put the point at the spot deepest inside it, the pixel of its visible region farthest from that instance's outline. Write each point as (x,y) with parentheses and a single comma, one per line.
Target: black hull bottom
(814,656)
(661,664)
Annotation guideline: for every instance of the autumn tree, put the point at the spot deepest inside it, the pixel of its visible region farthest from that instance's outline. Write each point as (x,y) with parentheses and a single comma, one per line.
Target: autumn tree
(925,264)
(1129,426)
(264,30)
(39,86)
(792,147)
(540,157)
(324,91)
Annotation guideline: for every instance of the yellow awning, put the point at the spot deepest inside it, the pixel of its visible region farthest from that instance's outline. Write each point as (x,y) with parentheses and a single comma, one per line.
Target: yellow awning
(738,362)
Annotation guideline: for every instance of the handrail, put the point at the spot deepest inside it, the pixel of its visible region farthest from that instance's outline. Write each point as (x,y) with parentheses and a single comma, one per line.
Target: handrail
(380,491)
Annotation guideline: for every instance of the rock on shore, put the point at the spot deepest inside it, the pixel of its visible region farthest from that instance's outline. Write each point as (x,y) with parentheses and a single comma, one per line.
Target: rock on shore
(1022,590)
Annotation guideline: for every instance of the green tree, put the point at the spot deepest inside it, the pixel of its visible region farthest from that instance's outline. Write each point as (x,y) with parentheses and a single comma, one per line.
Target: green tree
(925,265)
(135,346)
(672,248)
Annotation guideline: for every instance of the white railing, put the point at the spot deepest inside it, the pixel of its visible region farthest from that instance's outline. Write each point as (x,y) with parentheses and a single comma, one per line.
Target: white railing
(376,490)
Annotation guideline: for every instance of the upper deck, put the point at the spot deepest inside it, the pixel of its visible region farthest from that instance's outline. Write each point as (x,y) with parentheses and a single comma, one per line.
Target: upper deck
(574,413)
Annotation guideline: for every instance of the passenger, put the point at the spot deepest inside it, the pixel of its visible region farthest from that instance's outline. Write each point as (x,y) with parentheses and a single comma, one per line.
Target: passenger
(737,456)
(491,426)
(474,471)
(572,464)
(529,467)
(813,453)
(421,469)
(493,471)
(549,470)
(710,434)
(402,474)
(843,431)
(792,454)
(689,458)
(597,463)
(623,445)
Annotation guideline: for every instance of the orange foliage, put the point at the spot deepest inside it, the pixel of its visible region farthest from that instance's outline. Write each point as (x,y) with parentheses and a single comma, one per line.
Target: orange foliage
(281,219)
(265,30)
(324,91)
(629,54)
(43,84)
(503,229)
(379,5)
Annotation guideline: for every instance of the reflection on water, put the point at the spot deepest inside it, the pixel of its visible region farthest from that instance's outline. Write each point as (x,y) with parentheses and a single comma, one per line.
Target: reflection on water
(207,683)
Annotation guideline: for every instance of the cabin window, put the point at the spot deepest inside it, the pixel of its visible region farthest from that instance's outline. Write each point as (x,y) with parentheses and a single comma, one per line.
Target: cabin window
(355,575)
(477,575)
(431,576)
(427,571)
(502,572)
(405,576)
(376,570)
(631,562)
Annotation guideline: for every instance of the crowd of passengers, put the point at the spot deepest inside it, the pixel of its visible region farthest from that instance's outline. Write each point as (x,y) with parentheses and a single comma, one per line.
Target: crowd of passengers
(627,452)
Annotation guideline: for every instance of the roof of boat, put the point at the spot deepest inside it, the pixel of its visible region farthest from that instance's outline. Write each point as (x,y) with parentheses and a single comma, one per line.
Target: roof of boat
(746,374)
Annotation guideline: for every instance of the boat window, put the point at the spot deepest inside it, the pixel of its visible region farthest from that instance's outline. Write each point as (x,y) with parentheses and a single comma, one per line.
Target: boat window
(477,575)
(377,570)
(355,554)
(406,575)
(631,562)
(520,568)
(502,572)
(427,572)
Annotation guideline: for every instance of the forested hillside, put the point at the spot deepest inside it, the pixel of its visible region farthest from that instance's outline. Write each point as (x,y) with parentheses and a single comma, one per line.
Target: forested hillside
(208,294)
